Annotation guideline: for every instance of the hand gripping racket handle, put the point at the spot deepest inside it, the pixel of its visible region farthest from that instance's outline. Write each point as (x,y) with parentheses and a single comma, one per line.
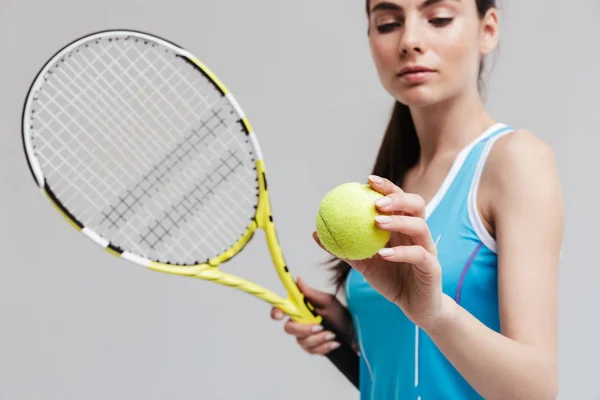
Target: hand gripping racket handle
(344,357)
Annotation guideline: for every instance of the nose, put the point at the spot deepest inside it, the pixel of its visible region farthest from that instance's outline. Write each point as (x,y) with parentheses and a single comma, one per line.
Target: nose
(412,40)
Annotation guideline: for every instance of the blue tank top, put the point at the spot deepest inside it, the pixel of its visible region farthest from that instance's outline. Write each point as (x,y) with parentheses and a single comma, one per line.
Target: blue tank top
(397,359)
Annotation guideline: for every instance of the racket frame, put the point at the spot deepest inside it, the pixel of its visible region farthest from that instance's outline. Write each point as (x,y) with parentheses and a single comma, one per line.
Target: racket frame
(295,305)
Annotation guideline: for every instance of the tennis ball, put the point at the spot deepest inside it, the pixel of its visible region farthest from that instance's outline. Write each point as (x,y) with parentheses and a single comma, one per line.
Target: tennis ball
(346,225)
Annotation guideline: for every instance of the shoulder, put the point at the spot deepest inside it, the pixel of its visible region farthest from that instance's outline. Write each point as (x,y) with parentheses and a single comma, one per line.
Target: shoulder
(519,160)
(519,151)
(520,172)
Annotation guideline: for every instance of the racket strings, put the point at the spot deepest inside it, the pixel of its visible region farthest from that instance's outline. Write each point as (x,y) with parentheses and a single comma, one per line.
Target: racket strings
(146,109)
(143,150)
(73,124)
(79,82)
(223,222)
(189,203)
(160,172)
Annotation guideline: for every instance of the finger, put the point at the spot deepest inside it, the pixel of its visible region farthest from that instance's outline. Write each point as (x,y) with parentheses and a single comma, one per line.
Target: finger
(317,298)
(323,349)
(416,255)
(301,331)
(414,227)
(316,340)
(315,236)
(402,203)
(383,185)
(351,263)
(277,314)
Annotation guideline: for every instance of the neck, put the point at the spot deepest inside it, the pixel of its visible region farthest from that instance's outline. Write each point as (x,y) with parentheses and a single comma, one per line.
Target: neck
(446,128)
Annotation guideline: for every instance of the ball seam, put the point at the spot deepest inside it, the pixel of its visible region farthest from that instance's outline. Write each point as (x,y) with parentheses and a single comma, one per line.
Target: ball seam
(332,235)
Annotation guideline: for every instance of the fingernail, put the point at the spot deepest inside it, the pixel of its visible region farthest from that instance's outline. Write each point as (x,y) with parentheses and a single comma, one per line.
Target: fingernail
(317,328)
(375,179)
(384,201)
(279,314)
(330,336)
(386,252)
(383,219)
(334,345)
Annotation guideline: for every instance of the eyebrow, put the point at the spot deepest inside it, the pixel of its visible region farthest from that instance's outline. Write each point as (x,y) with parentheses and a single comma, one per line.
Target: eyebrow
(396,7)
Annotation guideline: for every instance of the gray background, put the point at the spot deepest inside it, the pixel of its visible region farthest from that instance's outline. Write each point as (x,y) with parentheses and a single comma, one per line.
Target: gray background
(77,324)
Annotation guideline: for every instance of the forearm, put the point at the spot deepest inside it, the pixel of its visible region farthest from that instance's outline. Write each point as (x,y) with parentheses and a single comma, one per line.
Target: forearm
(496,366)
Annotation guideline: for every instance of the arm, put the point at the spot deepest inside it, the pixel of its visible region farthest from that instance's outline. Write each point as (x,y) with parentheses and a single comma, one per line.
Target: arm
(526,208)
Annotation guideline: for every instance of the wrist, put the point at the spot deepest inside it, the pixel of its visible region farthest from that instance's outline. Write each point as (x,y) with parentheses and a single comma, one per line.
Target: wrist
(445,317)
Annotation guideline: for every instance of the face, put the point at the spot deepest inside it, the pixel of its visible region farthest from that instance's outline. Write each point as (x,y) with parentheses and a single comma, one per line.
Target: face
(427,51)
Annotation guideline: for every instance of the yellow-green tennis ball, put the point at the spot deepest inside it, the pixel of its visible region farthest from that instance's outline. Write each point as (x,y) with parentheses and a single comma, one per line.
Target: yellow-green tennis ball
(346,222)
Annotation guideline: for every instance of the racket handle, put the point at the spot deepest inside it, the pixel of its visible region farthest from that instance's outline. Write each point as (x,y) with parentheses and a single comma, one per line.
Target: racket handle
(344,358)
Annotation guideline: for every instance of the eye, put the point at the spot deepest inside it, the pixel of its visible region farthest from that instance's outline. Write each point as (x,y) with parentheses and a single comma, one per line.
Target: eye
(388,27)
(439,22)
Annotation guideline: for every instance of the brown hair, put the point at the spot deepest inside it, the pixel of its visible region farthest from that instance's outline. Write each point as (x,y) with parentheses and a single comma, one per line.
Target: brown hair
(400,148)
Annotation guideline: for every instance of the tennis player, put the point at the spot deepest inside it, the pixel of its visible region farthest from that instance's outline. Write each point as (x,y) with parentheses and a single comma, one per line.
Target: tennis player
(462,304)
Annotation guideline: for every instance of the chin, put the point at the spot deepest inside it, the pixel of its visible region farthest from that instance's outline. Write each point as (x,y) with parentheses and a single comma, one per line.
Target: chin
(419,96)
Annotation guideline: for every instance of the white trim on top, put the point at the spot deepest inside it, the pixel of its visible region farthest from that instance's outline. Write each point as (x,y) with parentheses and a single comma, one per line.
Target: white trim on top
(456,166)
(474,215)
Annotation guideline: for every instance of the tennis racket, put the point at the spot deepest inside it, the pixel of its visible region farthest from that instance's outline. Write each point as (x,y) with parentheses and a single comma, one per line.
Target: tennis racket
(144,151)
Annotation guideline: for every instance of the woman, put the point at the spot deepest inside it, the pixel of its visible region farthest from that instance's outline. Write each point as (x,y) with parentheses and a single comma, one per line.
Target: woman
(462,304)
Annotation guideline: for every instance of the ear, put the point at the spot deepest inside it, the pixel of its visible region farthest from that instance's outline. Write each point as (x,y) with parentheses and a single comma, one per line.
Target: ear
(489,32)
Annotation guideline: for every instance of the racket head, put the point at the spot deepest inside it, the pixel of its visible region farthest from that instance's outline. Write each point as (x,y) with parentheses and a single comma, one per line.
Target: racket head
(43,132)
(144,150)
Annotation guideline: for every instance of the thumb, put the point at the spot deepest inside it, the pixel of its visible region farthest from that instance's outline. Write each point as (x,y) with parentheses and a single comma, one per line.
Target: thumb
(318,241)
(317,298)
(351,263)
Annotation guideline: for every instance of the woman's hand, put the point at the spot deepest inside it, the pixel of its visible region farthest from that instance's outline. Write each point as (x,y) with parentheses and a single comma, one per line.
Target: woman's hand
(313,338)
(407,272)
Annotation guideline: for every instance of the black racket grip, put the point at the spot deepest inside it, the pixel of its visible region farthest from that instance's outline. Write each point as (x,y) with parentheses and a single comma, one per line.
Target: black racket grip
(344,357)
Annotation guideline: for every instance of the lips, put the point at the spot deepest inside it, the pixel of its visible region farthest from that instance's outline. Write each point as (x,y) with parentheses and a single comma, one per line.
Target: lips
(414,70)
